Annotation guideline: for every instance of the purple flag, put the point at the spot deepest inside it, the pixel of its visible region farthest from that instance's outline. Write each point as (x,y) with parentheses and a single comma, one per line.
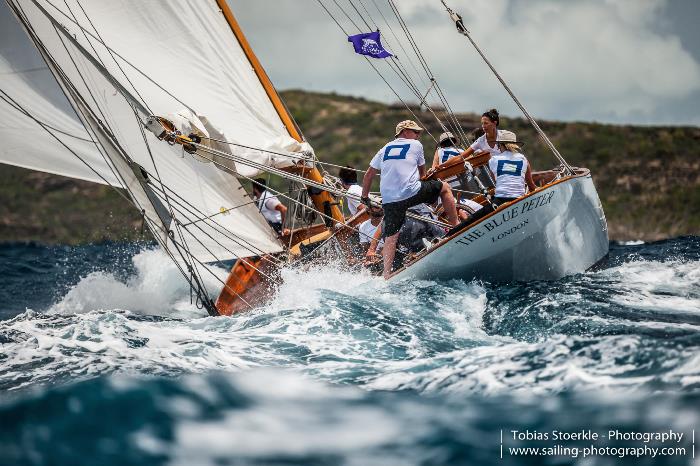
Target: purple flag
(369,44)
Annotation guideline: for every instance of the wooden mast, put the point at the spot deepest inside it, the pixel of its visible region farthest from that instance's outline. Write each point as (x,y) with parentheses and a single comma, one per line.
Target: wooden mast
(274,97)
(245,283)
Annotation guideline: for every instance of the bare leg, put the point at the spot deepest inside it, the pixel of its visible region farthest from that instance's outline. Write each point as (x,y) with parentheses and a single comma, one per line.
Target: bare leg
(448,202)
(389,252)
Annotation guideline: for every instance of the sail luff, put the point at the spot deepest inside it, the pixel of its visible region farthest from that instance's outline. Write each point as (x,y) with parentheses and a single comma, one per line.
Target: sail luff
(274,97)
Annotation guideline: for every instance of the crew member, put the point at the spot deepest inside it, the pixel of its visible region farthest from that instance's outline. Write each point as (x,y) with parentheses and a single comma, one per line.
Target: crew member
(486,142)
(370,232)
(511,169)
(348,177)
(447,148)
(272,209)
(402,164)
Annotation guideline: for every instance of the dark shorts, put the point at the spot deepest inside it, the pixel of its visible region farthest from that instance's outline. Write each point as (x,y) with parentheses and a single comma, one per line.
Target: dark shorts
(502,200)
(395,212)
(277,226)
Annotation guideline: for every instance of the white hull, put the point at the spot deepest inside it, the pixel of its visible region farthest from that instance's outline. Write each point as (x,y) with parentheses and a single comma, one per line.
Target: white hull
(553,232)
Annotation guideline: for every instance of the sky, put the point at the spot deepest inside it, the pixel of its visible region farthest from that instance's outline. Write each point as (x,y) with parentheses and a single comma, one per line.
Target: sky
(614,61)
(611,61)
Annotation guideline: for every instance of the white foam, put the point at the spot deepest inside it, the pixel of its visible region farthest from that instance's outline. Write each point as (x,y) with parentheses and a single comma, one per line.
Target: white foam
(659,286)
(157,288)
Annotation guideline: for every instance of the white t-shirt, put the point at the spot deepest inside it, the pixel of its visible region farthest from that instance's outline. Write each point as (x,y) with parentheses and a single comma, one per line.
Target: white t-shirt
(481,144)
(445,153)
(267,203)
(398,161)
(356,190)
(367,231)
(509,169)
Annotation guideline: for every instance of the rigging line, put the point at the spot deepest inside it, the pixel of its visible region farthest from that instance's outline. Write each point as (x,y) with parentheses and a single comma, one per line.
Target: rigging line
(214,224)
(416,49)
(207,268)
(395,68)
(403,49)
(360,15)
(407,81)
(91,46)
(119,191)
(77,96)
(332,17)
(221,212)
(403,25)
(185,209)
(82,78)
(50,61)
(381,76)
(124,59)
(65,133)
(393,60)
(187,278)
(264,168)
(347,15)
(191,267)
(402,101)
(463,30)
(264,255)
(311,183)
(109,50)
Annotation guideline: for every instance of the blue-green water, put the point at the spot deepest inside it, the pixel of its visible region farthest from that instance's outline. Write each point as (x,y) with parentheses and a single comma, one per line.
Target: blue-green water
(104,360)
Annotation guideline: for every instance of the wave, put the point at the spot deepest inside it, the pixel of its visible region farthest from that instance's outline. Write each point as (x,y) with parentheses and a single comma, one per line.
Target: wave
(282,417)
(631,324)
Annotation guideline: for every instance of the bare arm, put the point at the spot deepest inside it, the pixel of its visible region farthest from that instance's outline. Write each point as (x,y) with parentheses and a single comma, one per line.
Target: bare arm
(528,178)
(421,170)
(367,180)
(282,210)
(374,242)
(467,152)
(436,159)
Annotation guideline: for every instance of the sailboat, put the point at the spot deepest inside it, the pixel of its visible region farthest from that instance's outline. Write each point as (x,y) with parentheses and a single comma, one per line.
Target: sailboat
(176,111)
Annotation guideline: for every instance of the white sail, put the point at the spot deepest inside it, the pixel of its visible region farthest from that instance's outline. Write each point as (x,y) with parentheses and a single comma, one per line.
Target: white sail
(215,218)
(182,53)
(61,146)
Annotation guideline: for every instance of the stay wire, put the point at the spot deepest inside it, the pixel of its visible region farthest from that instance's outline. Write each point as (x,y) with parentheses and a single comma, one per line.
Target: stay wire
(426,67)
(109,50)
(134,67)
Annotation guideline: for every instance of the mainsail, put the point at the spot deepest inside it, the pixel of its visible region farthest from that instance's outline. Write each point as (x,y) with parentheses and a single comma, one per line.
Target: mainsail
(128,59)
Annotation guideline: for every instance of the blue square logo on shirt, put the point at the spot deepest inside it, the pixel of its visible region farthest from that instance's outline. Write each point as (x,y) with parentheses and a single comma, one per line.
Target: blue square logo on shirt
(396,152)
(447,154)
(509,167)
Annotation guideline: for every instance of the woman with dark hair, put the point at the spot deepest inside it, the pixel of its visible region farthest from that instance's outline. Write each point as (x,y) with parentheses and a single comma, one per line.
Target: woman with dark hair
(487,142)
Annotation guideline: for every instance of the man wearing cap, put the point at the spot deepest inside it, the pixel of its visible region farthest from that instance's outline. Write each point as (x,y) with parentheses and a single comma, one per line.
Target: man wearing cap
(402,164)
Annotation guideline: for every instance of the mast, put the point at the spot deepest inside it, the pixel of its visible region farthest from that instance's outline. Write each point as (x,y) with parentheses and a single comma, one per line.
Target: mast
(281,109)
(322,200)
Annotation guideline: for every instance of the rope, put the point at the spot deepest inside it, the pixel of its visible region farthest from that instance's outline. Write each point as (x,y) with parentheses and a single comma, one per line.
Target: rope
(463,30)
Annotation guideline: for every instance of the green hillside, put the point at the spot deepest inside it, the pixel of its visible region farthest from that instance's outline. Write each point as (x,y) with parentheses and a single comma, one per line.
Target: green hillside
(648,177)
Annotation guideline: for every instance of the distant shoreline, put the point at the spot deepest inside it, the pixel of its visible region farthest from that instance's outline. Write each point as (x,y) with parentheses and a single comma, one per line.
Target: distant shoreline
(648,178)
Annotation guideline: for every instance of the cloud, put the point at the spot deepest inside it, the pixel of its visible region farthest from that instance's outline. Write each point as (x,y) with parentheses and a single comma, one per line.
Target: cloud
(599,60)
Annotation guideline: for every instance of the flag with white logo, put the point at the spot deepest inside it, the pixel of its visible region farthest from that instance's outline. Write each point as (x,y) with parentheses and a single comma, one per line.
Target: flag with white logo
(369,44)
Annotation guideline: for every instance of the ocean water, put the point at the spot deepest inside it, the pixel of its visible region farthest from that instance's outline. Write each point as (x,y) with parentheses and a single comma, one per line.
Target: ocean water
(105,360)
